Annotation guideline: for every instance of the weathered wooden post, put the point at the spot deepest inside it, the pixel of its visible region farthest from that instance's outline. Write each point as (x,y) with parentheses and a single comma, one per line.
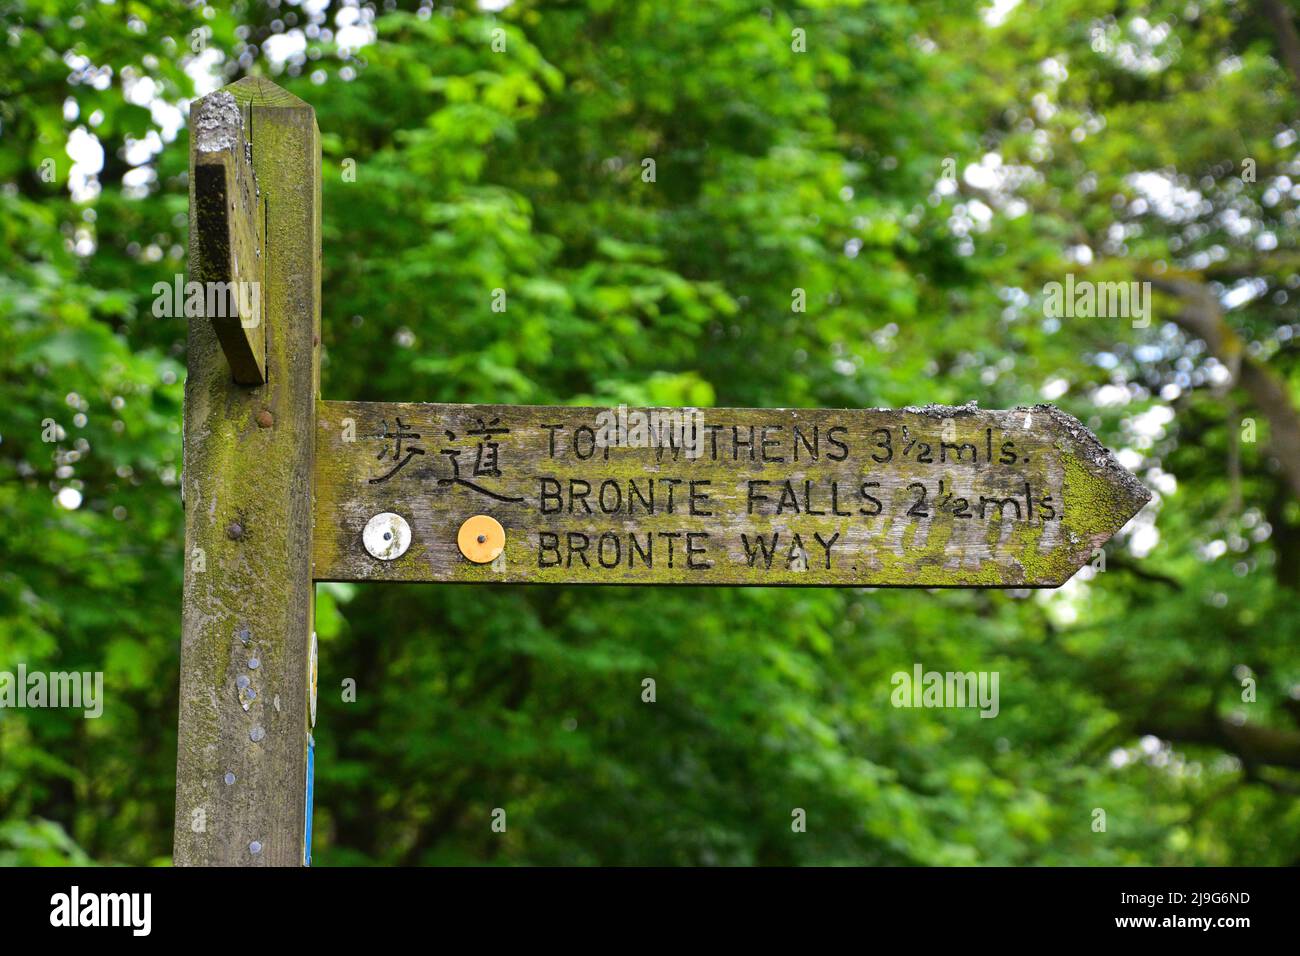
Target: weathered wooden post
(937,496)
(254,378)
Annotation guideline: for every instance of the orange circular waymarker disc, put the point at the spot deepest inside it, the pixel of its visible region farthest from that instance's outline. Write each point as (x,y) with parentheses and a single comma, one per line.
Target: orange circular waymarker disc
(481,539)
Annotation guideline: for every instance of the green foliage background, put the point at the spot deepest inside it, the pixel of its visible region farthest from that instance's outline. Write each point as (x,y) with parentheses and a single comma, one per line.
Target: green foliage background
(776,168)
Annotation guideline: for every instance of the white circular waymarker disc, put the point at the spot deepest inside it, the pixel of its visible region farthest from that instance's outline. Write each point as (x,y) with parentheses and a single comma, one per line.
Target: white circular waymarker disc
(387,536)
(313,670)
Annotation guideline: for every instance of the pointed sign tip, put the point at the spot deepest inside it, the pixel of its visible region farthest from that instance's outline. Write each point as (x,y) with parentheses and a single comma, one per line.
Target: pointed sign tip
(1130,493)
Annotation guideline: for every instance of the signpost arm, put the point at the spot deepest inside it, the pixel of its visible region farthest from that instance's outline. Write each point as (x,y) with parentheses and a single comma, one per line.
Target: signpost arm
(225,248)
(241,773)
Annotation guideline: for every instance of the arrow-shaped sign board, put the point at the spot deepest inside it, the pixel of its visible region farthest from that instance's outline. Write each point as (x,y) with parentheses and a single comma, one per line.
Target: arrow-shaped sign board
(939,496)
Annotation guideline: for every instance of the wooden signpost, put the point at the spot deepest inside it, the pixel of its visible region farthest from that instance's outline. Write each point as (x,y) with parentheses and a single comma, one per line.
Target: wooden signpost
(283,490)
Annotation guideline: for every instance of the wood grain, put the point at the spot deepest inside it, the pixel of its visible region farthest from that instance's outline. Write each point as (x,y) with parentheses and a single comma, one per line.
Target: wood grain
(933,497)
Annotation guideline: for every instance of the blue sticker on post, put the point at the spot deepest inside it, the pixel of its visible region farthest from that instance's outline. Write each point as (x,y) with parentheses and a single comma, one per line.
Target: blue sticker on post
(311,776)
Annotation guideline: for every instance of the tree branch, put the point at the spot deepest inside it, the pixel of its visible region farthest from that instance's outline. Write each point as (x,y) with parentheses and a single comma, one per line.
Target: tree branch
(1255,745)
(1202,317)
(1288,43)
